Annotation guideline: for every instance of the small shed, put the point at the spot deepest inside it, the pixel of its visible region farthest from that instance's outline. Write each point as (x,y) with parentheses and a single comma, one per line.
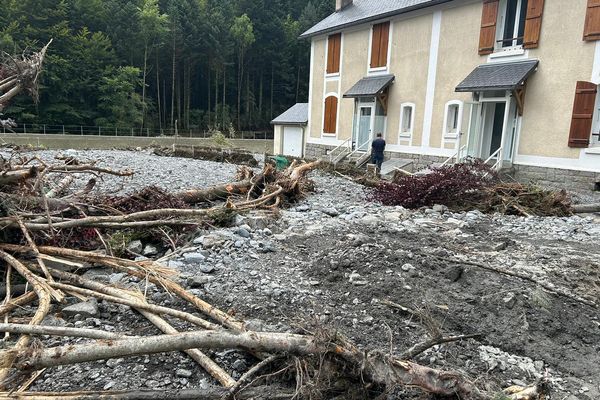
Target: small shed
(290,128)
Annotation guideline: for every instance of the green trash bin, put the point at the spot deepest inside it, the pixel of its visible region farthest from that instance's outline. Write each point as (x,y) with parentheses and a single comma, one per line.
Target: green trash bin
(281,162)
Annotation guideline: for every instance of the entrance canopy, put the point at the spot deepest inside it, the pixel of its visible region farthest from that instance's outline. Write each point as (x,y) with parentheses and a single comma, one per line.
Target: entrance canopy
(500,76)
(370,86)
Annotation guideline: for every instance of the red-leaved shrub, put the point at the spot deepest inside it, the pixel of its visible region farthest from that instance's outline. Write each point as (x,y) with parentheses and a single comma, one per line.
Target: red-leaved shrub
(446,185)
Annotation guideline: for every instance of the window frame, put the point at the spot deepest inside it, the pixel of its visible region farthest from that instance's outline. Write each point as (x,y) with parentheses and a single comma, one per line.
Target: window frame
(407,134)
(595,131)
(453,133)
(337,110)
(385,67)
(327,55)
(501,26)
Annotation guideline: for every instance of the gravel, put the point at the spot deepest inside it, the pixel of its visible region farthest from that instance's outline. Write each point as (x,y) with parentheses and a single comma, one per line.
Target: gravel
(331,258)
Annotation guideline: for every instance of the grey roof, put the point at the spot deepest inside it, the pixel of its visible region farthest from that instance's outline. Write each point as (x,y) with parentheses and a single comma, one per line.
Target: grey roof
(296,115)
(501,76)
(370,86)
(363,11)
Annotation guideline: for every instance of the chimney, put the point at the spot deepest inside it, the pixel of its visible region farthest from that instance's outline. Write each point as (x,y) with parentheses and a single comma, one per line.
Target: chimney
(341,4)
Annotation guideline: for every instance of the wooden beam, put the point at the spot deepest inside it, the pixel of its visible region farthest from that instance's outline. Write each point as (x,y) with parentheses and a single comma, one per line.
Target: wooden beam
(383,100)
(520,97)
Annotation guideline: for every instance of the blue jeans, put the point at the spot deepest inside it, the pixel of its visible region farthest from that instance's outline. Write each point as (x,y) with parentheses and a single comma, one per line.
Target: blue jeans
(377,159)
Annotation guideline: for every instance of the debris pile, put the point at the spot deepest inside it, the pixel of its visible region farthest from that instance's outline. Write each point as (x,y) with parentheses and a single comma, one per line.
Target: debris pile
(472,185)
(305,363)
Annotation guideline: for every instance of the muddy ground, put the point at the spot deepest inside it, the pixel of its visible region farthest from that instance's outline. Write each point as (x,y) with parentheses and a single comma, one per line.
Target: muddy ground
(330,262)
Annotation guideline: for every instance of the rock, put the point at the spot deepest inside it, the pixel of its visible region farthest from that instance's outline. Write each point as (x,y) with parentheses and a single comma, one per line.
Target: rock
(510,300)
(500,246)
(183,373)
(135,246)
(242,232)
(279,237)
(257,222)
(267,232)
(440,208)
(213,240)
(108,385)
(113,362)
(240,366)
(150,250)
(194,258)
(113,279)
(303,208)
(207,269)
(175,264)
(51,320)
(332,212)
(85,309)
(407,267)
(196,282)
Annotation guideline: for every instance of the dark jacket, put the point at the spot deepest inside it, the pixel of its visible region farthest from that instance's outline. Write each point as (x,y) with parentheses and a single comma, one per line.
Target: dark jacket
(378,146)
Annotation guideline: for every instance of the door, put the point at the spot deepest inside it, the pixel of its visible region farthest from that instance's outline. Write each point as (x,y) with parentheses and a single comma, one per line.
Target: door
(292,141)
(474,132)
(365,128)
(497,127)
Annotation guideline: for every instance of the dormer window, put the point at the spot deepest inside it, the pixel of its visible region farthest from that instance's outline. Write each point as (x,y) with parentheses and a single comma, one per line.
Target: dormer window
(511,23)
(380,42)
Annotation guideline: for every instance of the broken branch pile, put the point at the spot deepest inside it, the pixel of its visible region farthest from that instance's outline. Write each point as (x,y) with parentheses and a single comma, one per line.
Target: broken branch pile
(472,185)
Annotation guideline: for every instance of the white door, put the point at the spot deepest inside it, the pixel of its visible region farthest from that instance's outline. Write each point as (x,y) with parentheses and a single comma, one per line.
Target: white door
(292,141)
(365,128)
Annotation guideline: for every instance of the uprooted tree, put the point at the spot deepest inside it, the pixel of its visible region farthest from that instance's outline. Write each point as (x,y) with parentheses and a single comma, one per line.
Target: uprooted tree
(48,220)
(20,74)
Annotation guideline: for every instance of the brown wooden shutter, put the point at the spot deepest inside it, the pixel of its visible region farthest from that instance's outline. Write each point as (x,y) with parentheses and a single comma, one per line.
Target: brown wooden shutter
(330,118)
(385,42)
(375,46)
(334,44)
(591,31)
(583,113)
(533,23)
(487,35)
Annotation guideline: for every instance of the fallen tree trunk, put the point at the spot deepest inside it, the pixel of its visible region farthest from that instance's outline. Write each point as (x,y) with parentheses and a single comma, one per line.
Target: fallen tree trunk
(220,192)
(14,177)
(378,369)
(39,330)
(263,393)
(586,208)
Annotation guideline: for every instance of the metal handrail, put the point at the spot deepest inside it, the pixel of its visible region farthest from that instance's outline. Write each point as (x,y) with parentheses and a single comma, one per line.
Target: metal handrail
(498,156)
(332,153)
(453,156)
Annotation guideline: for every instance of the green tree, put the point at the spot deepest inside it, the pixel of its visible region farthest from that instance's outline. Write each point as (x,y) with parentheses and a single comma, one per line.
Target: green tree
(119,99)
(242,31)
(153,27)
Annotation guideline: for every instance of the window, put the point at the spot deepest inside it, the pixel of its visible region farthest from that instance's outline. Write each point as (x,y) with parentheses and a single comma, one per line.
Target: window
(407,118)
(334,43)
(379,45)
(511,23)
(330,115)
(452,120)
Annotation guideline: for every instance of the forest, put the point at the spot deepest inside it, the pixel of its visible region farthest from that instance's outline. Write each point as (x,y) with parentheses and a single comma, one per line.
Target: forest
(225,65)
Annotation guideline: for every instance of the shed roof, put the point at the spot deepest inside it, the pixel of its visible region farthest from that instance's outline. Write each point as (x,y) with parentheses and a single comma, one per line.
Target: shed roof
(296,115)
(363,11)
(370,86)
(500,76)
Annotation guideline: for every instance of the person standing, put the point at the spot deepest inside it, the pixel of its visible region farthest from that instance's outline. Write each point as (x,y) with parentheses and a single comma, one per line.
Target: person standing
(377,149)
